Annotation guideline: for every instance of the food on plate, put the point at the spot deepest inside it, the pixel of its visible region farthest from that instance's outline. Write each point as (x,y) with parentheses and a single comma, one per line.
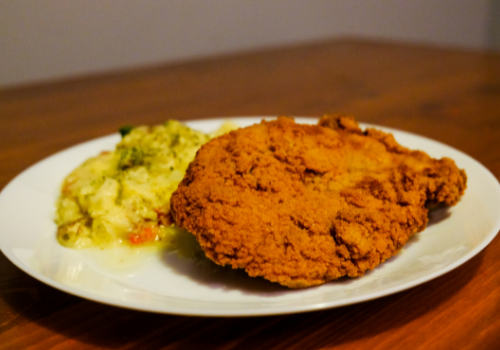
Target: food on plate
(302,205)
(122,196)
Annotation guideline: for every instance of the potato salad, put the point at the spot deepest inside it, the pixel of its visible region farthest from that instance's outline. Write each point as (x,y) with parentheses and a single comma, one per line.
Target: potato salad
(122,196)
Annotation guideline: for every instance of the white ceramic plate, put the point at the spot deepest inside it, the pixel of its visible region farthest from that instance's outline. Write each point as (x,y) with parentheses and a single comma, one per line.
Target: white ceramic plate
(165,283)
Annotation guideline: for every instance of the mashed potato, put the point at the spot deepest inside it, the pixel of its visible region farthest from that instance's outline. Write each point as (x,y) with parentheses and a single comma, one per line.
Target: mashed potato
(122,197)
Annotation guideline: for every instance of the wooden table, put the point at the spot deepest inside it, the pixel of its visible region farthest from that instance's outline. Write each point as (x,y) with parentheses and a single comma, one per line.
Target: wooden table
(449,95)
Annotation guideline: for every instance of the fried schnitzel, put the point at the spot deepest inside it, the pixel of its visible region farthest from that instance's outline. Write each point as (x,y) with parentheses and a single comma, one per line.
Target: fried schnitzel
(302,205)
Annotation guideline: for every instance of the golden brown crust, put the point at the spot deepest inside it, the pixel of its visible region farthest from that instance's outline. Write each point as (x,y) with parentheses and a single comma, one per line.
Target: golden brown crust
(305,204)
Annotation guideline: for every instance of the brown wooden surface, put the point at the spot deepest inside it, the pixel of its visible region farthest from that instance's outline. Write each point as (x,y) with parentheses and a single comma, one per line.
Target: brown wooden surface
(448,95)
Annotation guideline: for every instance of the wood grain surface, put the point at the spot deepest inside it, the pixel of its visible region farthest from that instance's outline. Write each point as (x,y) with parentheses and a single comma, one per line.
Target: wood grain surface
(448,95)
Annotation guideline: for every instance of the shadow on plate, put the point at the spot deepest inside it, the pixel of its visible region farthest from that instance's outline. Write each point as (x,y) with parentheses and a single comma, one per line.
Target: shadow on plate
(438,215)
(203,271)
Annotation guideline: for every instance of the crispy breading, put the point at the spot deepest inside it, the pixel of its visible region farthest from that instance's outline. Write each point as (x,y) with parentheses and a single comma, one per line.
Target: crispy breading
(302,205)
